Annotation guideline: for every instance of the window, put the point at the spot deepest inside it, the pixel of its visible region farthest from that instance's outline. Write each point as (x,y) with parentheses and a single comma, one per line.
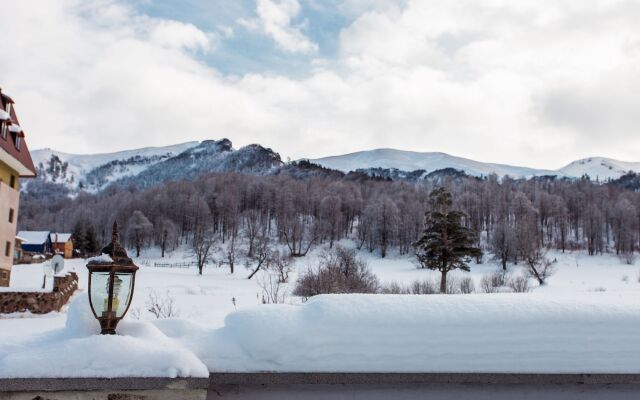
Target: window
(7,249)
(18,141)
(4,127)
(12,182)
(11,215)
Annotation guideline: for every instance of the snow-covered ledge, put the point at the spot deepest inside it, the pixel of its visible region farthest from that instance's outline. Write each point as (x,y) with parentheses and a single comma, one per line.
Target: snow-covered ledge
(483,333)
(354,335)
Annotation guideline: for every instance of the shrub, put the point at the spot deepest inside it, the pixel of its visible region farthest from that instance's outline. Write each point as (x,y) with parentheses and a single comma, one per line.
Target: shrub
(394,288)
(519,284)
(425,286)
(494,282)
(466,285)
(339,271)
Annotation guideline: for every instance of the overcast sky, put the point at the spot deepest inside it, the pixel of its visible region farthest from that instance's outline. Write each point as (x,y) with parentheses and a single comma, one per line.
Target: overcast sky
(527,82)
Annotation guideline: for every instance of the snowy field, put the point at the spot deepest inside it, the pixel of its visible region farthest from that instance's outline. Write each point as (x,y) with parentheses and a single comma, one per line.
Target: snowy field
(585,316)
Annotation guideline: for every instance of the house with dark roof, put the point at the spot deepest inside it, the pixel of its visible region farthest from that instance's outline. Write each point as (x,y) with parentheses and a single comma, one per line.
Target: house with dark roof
(36,242)
(15,163)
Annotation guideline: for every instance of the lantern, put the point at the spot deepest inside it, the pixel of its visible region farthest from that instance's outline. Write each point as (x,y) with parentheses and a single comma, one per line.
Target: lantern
(111,282)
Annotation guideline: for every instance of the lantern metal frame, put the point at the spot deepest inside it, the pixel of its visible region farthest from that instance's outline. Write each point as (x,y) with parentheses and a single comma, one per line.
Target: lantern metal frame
(121,264)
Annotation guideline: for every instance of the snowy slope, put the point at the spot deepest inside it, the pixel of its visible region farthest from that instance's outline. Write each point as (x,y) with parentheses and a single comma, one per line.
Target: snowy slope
(595,167)
(428,161)
(600,167)
(151,165)
(73,170)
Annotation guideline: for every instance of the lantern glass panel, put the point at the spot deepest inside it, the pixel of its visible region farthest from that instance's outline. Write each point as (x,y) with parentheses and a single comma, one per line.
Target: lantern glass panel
(121,293)
(100,292)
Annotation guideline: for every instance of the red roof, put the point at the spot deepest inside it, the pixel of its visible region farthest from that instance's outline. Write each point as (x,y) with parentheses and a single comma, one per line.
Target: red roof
(8,144)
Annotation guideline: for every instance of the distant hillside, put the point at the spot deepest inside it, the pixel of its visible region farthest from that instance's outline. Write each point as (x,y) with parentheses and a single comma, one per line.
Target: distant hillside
(600,168)
(410,161)
(151,166)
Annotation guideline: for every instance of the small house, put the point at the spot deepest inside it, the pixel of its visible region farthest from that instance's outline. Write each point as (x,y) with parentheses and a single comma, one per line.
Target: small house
(18,254)
(62,243)
(36,242)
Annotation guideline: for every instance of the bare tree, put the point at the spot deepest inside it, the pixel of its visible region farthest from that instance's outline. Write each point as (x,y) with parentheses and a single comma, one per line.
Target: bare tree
(274,291)
(201,248)
(538,266)
(139,229)
(261,254)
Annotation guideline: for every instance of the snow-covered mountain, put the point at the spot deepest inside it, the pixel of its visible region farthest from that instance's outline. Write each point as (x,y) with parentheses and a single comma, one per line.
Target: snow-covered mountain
(600,168)
(428,161)
(391,159)
(149,166)
(94,171)
(154,165)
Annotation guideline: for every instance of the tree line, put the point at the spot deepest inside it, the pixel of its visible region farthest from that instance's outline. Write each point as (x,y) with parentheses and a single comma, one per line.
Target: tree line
(512,218)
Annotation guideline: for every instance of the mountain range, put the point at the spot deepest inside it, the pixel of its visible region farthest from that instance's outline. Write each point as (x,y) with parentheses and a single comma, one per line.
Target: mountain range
(149,166)
(595,167)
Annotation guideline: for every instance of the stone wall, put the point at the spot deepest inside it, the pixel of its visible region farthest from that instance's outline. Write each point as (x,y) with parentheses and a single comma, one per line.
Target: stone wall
(40,302)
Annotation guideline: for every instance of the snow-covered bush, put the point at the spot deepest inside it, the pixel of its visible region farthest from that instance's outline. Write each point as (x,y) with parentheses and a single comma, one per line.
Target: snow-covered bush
(425,286)
(491,283)
(466,285)
(394,288)
(502,281)
(519,283)
(339,271)
(162,306)
(627,257)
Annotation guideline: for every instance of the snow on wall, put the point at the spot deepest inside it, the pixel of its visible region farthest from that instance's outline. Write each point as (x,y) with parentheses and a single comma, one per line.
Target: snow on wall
(590,332)
(139,350)
(526,333)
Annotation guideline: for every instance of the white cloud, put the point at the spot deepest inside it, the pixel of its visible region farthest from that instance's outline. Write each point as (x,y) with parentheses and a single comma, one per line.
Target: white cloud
(518,82)
(179,35)
(275,20)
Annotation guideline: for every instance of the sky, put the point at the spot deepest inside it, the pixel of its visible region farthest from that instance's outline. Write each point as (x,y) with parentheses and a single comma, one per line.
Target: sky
(528,82)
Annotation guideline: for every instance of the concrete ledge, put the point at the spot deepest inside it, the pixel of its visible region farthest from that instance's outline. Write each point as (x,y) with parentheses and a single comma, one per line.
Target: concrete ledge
(311,378)
(222,379)
(90,384)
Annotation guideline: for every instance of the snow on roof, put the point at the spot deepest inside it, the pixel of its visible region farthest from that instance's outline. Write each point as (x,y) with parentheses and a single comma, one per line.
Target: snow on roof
(34,237)
(4,115)
(61,237)
(101,259)
(15,128)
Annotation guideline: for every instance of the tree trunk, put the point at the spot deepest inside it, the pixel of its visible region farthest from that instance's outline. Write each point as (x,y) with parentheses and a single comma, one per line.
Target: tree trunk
(443,282)
(164,242)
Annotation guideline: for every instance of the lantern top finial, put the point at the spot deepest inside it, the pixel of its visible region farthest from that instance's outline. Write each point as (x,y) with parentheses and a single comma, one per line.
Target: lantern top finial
(114,233)
(115,250)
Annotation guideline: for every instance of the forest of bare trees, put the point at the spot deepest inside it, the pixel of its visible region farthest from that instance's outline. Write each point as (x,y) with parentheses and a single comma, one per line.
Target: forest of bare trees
(513,218)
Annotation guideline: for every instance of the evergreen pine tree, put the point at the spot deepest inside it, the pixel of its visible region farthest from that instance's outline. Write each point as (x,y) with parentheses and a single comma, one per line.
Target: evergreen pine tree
(79,239)
(91,240)
(446,243)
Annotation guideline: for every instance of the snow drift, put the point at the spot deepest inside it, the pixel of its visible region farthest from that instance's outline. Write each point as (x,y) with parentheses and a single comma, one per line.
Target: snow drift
(139,350)
(527,333)
(515,333)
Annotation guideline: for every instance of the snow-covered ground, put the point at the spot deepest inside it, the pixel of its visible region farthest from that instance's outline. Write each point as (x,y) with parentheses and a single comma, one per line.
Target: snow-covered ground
(597,297)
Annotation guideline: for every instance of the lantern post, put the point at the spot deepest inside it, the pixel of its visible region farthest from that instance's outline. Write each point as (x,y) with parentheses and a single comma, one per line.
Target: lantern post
(111,283)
